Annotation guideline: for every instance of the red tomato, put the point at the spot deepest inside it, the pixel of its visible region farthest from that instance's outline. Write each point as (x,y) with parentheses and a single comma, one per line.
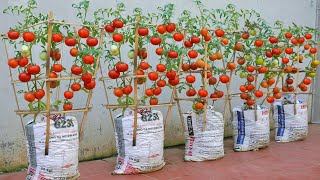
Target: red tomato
(241,61)
(289,50)
(190,78)
(289,81)
(155,40)
(191,92)
(262,69)
(195,39)
(153,101)
(245,36)
(118,92)
(193,66)
(294,41)
(68,94)
(83,33)
(161,29)
(276,51)
(250,87)
(308,36)
(157,91)
(172,54)
(53,75)
(159,51)
(29,96)
(203,93)
(307,46)
(193,54)
(250,68)
(219,32)
(204,32)
(185,67)
(76,87)
(269,54)
(174,81)
(271,81)
(273,40)
(313,50)
(122,67)
(57,67)
(161,83)
(258,43)
(143,31)
(127,89)
(161,67)
(88,59)
(70,41)
(113,74)
(74,52)
(39,94)
(243,88)
(188,44)
(153,76)
(288,35)
(13,63)
(285,60)
(306,81)
(231,66)
(301,40)
(239,46)
(250,102)
(90,85)
(171,74)
(12,34)
(220,94)
(33,69)
(258,94)
(277,95)
(198,105)
(109,28)
(117,23)
(57,38)
(67,106)
(144,65)
(171,27)
(212,80)
(178,36)
(28,36)
(76,70)
(117,37)
(224,79)
(149,92)
(87,77)
(92,42)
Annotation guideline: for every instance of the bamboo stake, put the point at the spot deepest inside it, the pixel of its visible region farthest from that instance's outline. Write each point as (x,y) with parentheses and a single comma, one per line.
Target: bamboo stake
(136,41)
(297,81)
(14,87)
(48,83)
(53,112)
(85,114)
(192,99)
(112,106)
(205,81)
(255,97)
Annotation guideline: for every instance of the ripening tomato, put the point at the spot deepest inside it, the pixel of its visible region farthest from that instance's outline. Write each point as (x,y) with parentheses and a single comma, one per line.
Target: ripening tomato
(29,96)
(90,85)
(203,93)
(139,72)
(144,65)
(171,27)
(306,47)
(13,63)
(191,92)
(250,78)
(155,40)
(67,106)
(153,101)
(117,37)
(225,41)
(258,43)
(204,32)
(76,87)
(190,78)
(243,88)
(57,38)
(245,36)
(188,44)
(172,54)
(219,55)
(76,70)
(185,67)
(161,83)
(174,81)
(288,69)
(149,92)
(238,46)
(219,32)
(54,84)
(127,89)
(161,67)
(39,94)
(28,36)
(159,51)
(74,52)
(13,35)
(143,31)
(224,78)
(178,36)
(271,81)
(153,76)
(241,61)
(157,91)
(86,77)
(143,54)
(118,92)
(88,59)
(250,87)
(117,23)
(70,41)
(303,87)
(212,80)
(53,75)
(288,35)
(161,28)
(83,33)
(306,81)
(195,39)
(250,68)
(198,105)
(92,42)
(207,37)
(270,99)
(277,95)
(313,50)
(273,40)
(289,50)
(258,94)
(109,28)
(192,53)
(284,89)
(33,69)
(244,96)
(231,66)
(68,94)
(57,67)
(113,74)
(276,90)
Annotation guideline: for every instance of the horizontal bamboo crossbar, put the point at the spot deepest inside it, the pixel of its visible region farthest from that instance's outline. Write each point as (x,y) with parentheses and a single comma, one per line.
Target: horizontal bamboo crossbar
(53,112)
(131,76)
(192,99)
(51,79)
(145,106)
(74,24)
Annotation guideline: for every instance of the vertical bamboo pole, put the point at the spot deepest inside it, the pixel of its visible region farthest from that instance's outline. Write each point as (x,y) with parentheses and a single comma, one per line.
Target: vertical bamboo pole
(14,87)
(135,89)
(48,82)
(174,91)
(297,81)
(205,81)
(255,98)
(85,114)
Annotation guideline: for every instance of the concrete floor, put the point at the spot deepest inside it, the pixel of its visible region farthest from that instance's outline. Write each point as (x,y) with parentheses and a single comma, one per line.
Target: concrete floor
(289,161)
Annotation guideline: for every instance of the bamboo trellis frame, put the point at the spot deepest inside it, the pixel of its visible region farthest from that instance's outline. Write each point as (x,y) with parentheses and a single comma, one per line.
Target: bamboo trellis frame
(47,80)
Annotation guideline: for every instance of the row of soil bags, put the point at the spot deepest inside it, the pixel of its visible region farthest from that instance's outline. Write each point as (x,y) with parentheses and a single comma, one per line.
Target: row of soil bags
(250,132)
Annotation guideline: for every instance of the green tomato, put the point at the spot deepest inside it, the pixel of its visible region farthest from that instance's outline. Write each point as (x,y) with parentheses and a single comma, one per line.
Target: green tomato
(264,63)
(274,74)
(114,48)
(131,54)
(248,57)
(24,49)
(282,74)
(312,55)
(194,107)
(268,75)
(252,32)
(43,55)
(259,61)
(115,52)
(276,62)
(210,51)
(243,75)
(25,54)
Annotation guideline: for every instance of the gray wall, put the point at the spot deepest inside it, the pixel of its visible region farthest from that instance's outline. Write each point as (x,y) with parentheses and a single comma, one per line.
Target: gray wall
(99,139)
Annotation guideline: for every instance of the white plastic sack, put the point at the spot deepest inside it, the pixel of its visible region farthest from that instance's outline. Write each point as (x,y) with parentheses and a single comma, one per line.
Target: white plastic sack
(147,155)
(207,145)
(62,161)
(290,127)
(248,133)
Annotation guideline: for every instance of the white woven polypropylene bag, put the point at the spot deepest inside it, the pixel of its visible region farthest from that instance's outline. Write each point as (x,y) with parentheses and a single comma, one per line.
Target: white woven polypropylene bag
(147,155)
(248,133)
(290,127)
(204,145)
(62,160)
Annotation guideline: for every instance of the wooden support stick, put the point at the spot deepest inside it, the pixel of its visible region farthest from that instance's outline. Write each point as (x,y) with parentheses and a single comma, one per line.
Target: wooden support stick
(135,88)
(14,87)
(82,25)
(48,83)
(112,106)
(205,84)
(85,114)
(53,112)
(192,99)
(297,82)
